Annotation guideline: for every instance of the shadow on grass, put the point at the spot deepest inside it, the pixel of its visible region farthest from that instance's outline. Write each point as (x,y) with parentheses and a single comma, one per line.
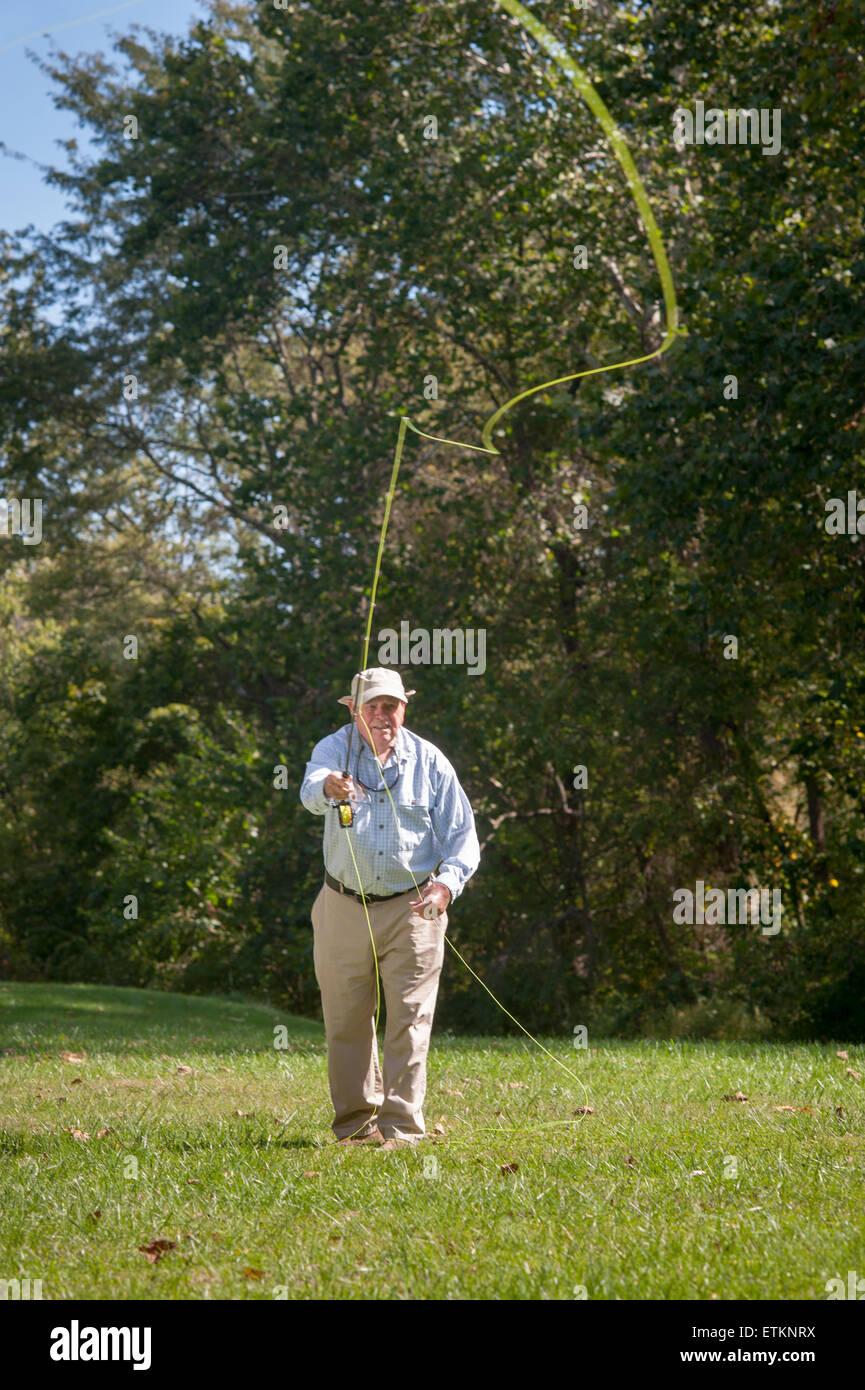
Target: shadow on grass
(204,1143)
(294,1143)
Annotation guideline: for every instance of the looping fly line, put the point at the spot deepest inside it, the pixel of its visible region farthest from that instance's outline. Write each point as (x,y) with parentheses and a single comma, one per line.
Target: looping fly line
(583,86)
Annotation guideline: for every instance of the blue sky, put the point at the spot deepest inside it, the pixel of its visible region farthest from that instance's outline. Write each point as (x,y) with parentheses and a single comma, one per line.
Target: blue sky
(29,121)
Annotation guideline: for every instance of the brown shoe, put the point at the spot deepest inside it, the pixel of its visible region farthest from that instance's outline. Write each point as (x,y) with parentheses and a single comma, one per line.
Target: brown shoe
(390,1144)
(372,1136)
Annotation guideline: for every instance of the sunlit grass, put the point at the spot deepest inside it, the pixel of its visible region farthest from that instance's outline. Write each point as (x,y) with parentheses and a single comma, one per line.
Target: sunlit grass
(666,1191)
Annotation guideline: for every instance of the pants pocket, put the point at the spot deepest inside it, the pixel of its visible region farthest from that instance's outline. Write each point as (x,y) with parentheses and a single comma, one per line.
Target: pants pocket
(439,923)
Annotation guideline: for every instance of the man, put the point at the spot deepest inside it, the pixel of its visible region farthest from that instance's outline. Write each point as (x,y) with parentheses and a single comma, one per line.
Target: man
(433,838)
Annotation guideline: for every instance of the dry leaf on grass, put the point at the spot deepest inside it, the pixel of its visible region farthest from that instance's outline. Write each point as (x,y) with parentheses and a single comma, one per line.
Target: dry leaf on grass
(631,1161)
(74,1056)
(313,1173)
(80,1134)
(698,1173)
(839,1111)
(856,1075)
(510,1167)
(584,1110)
(438,1128)
(100,1133)
(76,1082)
(250,1273)
(193,1179)
(454,1093)
(184,1071)
(518,1086)
(845,1056)
(95,1215)
(156,1249)
(737,1096)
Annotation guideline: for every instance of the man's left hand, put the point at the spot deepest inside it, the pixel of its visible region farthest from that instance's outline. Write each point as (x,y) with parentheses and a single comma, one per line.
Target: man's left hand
(433,893)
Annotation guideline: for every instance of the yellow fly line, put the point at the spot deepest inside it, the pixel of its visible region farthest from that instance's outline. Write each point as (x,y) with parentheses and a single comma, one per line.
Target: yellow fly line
(580,81)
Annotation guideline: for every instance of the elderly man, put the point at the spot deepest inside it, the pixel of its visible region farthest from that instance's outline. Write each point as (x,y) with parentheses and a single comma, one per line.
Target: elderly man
(432,840)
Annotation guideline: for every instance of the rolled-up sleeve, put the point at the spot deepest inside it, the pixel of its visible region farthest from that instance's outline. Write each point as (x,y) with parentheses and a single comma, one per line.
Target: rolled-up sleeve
(454,825)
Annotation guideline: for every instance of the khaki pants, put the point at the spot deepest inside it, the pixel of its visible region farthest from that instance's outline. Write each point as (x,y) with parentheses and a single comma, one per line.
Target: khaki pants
(410,951)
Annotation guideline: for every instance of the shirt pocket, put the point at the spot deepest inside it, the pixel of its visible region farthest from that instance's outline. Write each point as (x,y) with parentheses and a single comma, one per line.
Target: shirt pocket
(414,821)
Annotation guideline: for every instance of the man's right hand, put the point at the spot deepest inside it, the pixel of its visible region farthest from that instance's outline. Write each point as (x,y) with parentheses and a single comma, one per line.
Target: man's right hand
(338,786)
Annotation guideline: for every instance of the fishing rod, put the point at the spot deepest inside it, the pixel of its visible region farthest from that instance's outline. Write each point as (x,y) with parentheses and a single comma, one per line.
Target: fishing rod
(344,809)
(580,81)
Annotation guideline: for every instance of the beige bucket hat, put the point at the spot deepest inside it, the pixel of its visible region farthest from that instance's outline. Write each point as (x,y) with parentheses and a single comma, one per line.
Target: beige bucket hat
(377,680)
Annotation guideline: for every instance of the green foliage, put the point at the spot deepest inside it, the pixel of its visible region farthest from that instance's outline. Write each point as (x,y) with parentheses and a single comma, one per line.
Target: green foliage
(230,515)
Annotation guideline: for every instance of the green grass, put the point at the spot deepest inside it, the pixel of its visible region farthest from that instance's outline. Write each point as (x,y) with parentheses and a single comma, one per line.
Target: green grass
(235,1162)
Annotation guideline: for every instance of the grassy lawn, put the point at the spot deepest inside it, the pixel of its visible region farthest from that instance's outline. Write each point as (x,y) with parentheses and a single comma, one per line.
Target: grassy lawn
(175,1119)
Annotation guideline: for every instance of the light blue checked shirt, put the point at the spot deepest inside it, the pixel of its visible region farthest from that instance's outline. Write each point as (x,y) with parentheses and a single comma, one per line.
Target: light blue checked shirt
(436,824)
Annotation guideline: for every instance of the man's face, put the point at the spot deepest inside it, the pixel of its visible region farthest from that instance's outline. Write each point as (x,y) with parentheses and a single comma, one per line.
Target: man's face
(384,717)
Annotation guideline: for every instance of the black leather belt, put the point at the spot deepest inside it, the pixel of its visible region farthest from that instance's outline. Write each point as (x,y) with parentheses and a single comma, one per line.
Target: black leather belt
(369,897)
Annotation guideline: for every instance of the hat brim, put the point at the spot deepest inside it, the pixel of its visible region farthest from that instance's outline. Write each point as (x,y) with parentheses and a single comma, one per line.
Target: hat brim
(346,699)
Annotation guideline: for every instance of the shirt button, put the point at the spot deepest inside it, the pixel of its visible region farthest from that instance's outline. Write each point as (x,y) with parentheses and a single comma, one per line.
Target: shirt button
(381,851)
(381,827)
